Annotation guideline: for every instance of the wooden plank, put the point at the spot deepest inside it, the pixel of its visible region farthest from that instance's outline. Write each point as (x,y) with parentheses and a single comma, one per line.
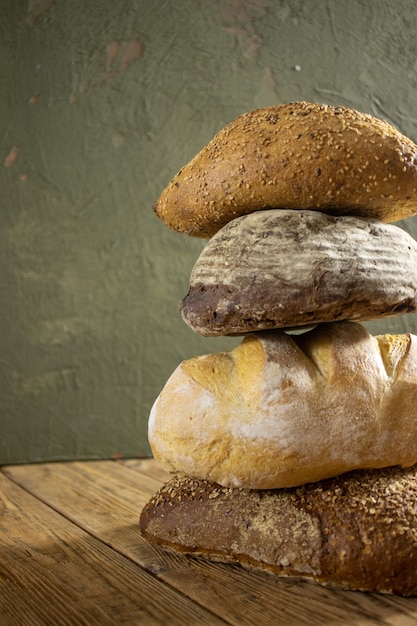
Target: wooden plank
(53,572)
(105,498)
(149,468)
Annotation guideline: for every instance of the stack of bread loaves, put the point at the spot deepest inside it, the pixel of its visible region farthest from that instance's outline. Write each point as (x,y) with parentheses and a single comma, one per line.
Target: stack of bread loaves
(294,452)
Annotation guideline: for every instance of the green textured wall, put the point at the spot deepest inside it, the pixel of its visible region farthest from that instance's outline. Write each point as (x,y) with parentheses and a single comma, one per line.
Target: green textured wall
(101,103)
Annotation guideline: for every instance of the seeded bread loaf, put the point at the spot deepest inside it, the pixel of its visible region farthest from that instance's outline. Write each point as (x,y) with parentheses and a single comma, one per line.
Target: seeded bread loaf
(284,268)
(281,410)
(296,156)
(357,531)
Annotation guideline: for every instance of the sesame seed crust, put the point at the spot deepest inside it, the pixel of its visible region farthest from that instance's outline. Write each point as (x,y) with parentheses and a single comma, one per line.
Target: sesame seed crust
(357,531)
(296,156)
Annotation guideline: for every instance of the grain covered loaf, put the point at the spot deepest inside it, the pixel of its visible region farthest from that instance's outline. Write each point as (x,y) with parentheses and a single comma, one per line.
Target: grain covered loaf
(281,410)
(284,268)
(298,156)
(357,531)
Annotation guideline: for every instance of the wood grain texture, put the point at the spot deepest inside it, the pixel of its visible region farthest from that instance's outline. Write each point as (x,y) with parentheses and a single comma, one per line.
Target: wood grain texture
(102,500)
(53,572)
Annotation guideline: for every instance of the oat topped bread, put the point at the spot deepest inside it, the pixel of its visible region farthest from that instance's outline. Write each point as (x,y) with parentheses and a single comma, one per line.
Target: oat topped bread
(355,531)
(296,156)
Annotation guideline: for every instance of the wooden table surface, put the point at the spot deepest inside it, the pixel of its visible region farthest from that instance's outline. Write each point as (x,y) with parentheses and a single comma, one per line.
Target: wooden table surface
(71,553)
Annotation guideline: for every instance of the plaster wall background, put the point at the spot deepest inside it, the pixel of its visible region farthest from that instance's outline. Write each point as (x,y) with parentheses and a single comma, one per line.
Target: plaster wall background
(101,103)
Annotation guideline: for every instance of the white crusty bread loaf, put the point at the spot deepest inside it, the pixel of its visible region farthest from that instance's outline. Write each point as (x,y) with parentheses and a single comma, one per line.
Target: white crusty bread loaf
(357,531)
(296,156)
(284,268)
(280,410)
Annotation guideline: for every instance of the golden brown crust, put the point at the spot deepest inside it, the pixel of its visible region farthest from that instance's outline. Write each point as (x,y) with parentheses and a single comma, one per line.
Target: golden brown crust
(357,531)
(280,411)
(301,156)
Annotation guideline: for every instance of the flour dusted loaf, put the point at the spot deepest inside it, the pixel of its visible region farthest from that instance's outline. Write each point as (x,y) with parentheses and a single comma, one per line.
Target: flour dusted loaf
(297,156)
(357,531)
(284,268)
(281,410)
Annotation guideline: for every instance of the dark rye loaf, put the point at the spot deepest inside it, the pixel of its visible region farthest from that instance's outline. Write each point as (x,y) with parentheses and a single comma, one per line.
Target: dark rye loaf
(282,268)
(357,531)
